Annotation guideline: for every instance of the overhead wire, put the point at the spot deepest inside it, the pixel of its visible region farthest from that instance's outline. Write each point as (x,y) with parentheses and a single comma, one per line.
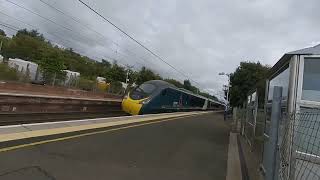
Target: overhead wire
(136,41)
(103,36)
(50,20)
(7,26)
(52,34)
(66,28)
(39,16)
(91,29)
(55,23)
(122,31)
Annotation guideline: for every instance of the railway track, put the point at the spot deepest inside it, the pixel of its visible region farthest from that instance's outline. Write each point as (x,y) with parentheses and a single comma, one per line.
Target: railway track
(27,118)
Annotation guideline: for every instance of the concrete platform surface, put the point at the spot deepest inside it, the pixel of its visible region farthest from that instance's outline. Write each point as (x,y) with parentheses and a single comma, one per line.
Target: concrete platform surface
(234,165)
(188,148)
(24,131)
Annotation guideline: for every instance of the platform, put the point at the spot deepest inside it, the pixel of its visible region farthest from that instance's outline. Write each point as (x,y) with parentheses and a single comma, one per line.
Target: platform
(16,103)
(27,131)
(184,146)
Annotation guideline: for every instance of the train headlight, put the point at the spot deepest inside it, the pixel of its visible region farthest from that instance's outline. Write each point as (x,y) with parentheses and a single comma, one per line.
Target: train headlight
(146,101)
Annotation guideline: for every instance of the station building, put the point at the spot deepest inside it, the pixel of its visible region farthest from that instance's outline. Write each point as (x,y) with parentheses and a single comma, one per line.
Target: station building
(298,73)
(71,77)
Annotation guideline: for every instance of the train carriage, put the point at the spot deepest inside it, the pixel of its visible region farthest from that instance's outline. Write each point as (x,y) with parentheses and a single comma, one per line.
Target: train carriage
(158,96)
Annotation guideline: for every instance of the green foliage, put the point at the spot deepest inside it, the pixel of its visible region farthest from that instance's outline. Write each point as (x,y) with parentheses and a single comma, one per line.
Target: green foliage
(247,77)
(116,73)
(174,82)
(208,96)
(146,75)
(116,87)
(7,73)
(24,47)
(33,33)
(187,85)
(86,84)
(2,33)
(30,45)
(51,64)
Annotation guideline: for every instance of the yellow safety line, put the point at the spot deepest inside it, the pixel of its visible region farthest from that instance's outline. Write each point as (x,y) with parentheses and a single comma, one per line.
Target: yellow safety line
(85,134)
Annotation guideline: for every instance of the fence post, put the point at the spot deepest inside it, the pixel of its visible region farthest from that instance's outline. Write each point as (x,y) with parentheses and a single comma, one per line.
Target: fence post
(271,168)
(54,79)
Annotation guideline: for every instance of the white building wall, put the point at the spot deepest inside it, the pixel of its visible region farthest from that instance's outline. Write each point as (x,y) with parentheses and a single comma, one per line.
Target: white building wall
(71,76)
(101,79)
(23,66)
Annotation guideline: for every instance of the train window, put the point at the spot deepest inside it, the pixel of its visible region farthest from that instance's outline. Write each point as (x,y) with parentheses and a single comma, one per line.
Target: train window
(143,91)
(147,88)
(164,92)
(311,80)
(196,102)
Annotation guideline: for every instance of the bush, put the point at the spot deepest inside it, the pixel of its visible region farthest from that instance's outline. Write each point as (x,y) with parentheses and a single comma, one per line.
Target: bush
(116,88)
(86,84)
(7,73)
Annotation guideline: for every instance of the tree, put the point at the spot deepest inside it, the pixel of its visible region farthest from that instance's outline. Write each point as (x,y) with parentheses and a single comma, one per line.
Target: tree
(25,46)
(51,64)
(2,33)
(7,73)
(146,75)
(208,96)
(247,77)
(105,63)
(32,33)
(32,46)
(187,85)
(174,82)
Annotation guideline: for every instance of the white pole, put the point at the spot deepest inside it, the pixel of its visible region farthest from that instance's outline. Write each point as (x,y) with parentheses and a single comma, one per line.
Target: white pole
(127,79)
(228,90)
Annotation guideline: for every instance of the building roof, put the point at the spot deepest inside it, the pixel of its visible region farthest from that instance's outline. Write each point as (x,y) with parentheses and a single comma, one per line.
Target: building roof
(71,72)
(21,61)
(315,50)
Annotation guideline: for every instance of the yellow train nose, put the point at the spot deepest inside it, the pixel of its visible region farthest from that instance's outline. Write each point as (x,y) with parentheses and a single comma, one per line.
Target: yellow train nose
(130,106)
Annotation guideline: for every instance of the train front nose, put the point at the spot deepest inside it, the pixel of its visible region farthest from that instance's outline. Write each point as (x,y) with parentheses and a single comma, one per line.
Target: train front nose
(130,106)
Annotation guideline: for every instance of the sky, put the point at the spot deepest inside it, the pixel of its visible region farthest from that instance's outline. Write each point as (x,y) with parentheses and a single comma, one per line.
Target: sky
(200,38)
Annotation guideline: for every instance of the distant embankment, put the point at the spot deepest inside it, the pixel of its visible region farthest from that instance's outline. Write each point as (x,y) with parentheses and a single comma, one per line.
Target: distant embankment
(19,108)
(26,88)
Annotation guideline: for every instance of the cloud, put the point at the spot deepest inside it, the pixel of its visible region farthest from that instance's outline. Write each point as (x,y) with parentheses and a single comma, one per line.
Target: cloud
(200,38)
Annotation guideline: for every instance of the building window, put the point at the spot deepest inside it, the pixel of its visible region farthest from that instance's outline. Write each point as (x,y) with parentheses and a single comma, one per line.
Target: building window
(311,79)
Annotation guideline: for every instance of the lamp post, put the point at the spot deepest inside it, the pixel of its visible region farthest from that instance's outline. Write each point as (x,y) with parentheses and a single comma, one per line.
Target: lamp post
(226,86)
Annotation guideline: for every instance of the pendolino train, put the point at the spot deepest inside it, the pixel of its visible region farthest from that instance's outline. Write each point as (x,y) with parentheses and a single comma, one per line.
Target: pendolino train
(158,96)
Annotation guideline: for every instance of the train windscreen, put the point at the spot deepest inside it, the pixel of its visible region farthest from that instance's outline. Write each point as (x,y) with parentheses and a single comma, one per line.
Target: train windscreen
(143,91)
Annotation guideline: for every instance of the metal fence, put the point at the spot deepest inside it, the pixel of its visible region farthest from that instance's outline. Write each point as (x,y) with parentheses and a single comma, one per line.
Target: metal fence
(300,146)
(13,76)
(250,123)
(290,143)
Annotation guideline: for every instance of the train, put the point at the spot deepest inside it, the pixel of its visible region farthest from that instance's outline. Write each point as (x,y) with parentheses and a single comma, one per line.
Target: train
(157,96)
